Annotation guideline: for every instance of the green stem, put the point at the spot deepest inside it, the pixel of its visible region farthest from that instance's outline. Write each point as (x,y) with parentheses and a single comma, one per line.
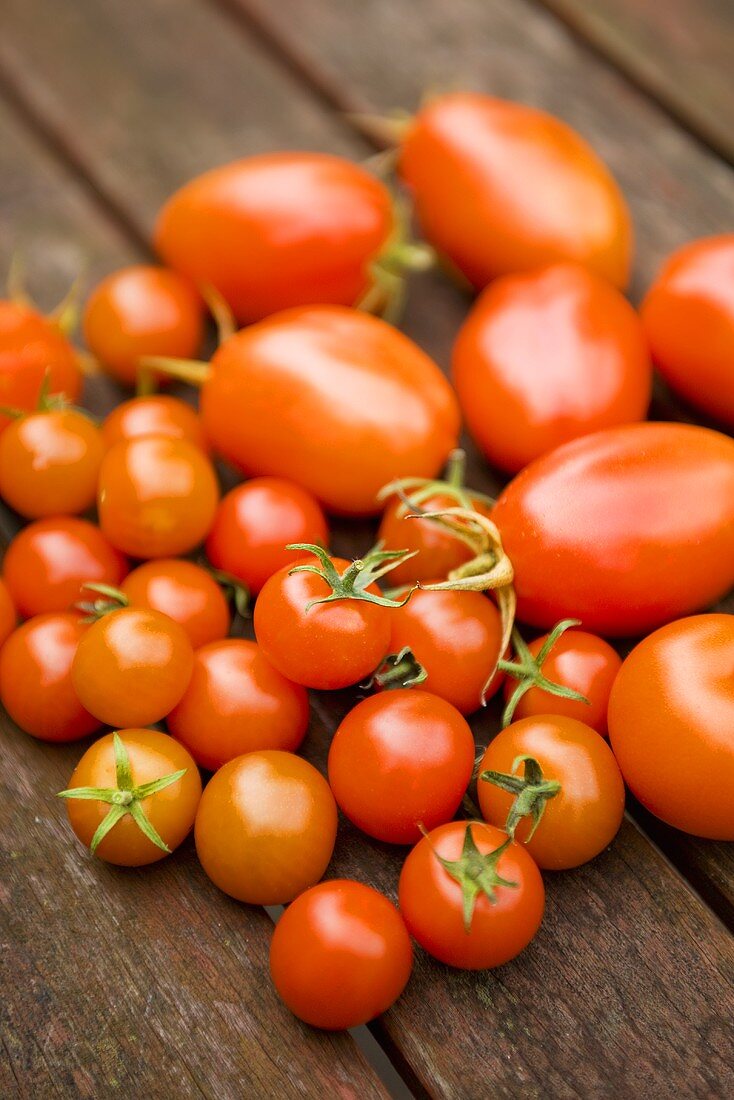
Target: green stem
(528,670)
(531,792)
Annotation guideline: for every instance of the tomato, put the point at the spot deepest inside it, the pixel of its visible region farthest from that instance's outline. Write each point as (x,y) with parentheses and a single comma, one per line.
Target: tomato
(139,311)
(572,791)
(266,827)
(31,349)
(236,702)
(158,414)
(157,496)
(47,563)
(340,955)
(35,678)
(671,717)
(8,614)
(545,357)
(148,789)
(616,529)
(400,761)
(332,398)
(132,666)
(688,316)
(183,591)
(470,896)
(255,522)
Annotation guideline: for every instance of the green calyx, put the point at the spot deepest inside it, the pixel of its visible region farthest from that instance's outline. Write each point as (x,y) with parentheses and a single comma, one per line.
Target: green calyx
(528,670)
(125,798)
(415,491)
(532,792)
(385,294)
(353,583)
(109,599)
(398,670)
(47,402)
(233,587)
(475,873)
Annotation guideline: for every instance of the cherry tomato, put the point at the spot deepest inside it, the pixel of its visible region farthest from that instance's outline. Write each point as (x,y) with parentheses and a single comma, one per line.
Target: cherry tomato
(48,561)
(266,827)
(183,591)
(337,400)
(236,702)
(340,955)
(254,524)
(278,230)
(132,666)
(616,530)
(35,678)
(470,896)
(688,315)
(500,187)
(31,349)
(572,789)
(8,613)
(157,496)
(158,414)
(139,311)
(545,357)
(671,717)
(143,825)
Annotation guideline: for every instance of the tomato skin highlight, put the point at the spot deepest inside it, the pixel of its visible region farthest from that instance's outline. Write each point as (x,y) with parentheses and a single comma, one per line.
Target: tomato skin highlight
(333,398)
(439,552)
(545,357)
(340,955)
(614,530)
(31,346)
(157,414)
(671,717)
(500,187)
(185,592)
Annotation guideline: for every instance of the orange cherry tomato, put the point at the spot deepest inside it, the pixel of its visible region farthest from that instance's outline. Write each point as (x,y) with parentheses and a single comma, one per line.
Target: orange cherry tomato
(157,496)
(35,678)
(278,230)
(185,592)
(334,399)
(158,414)
(266,827)
(139,311)
(500,187)
(577,793)
(340,955)
(688,315)
(545,357)
(8,613)
(671,717)
(254,524)
(47,563)
(132,666)
(236,702)
(31,349)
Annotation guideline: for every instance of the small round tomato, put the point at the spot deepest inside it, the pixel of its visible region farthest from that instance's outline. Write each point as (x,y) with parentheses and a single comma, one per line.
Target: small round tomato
(470,896)
(157,496)
(8,613)
(545,357)
(49,561)
(340,955)
(147,791)
(671,717)
(35,678)
(688,315)
(569,804)
(139,311)
(132,666)
(401,761)
(266,827)
(49,463)
(157,414)
(236,702)
(32,350)
(185,592)
(254,524)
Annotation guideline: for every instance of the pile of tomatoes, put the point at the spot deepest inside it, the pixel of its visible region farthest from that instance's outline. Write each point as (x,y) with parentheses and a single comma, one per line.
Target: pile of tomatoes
(132,564)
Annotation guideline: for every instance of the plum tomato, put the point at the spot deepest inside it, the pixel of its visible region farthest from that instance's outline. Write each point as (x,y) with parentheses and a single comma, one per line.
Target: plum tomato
(340,955)
(33,348)
(671,720)
(185,592)
(8,613)
(266,827)
(156,414)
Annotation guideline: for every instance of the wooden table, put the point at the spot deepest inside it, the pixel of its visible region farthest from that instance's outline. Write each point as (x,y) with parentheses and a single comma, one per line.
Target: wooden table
(152,982)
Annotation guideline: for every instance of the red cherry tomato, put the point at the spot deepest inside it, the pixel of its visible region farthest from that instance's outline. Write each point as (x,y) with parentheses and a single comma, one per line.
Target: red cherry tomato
(158,414)
(236,702)
(671,717)
(35,678)
(616,530)
(31,349)
(545,357)
(500,187)
(48,561)
(140,311)
(688,315)
(8,613)
(340,955)
(185,592)
(255,522)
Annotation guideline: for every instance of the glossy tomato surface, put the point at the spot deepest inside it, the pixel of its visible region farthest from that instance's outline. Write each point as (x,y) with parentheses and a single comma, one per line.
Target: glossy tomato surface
(183,591)
(158,414)
(624,529)
(30,348)
(438,550)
